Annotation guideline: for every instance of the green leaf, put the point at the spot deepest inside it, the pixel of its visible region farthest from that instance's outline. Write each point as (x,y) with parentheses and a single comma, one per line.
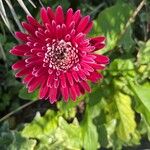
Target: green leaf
(143,56)
(111,23)
(121,65)
(68,135)
(68,110)
(13,140)
(23,93)
(126,123)
(105,128)
(41,126)
(63,106)
(95,96)
(143,60)
(89,132)
(142,94)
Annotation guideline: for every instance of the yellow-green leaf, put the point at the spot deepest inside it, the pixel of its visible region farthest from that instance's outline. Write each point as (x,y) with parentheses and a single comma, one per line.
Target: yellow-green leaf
(126,123)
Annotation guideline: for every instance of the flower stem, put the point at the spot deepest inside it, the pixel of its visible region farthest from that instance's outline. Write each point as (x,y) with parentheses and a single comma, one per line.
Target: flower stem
(16,110)
(131,19)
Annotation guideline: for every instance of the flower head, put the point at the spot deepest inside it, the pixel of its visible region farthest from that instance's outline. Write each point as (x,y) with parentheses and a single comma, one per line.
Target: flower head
(57,56)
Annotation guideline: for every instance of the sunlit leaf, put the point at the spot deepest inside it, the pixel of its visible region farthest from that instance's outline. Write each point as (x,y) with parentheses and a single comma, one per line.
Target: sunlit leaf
(41,126)
(126,117)
(143,56)
(143,100)
(111,23)
(67,135)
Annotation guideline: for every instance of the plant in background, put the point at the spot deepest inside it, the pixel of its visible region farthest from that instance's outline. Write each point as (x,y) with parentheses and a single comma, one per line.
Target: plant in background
(57,56)
(115,115)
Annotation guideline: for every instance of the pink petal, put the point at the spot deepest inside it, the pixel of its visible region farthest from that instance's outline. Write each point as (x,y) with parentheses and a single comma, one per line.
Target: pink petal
(85,86)
(59,15)
(70,79)
(53,95)
(79,37)
(50,13)
(86,49)
(75,76)
(50,80)
(76,17)
(88,59)
(33,21)
(32,59)
(82,75)
(69,16)
(34,84)
(73,93)
(85,43)
(40,36)
(83,23)
(29,28)
(27,79)
(88,28)
(36,50)
(17,52)
(82,91)
(97,66)
(41,71)
(44,16)
(59,32)
(21,36)
(23,72)
(56,83)
(22,47)
(102,59)
(95,76)
(63,80)
(71,27)
(35,63)
(87,67)
(18,65)
(43,90)
(64,29)
(86,72)
(53,28)
(99,46)
(96,40)
(65,93)
(77,90)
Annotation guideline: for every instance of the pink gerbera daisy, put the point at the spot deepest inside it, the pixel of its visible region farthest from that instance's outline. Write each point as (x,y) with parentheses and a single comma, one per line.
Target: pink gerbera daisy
(57,56)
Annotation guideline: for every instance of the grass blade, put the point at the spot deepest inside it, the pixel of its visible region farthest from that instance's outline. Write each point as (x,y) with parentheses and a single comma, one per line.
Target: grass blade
(14,14)
(30,1)
(5,18)
(24,7)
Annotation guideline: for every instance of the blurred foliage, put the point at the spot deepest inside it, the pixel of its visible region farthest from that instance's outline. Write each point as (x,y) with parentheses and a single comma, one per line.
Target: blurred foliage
(115,115)
(12,140)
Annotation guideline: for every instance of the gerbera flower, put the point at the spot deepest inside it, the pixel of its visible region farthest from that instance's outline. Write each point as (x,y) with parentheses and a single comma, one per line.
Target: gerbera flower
(57,56)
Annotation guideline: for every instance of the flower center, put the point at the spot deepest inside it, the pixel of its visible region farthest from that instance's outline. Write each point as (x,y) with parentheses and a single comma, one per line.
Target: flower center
(61,55)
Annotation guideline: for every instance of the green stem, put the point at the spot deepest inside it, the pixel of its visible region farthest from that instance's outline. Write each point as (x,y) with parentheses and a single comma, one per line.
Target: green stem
(131,19)
(16,110)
